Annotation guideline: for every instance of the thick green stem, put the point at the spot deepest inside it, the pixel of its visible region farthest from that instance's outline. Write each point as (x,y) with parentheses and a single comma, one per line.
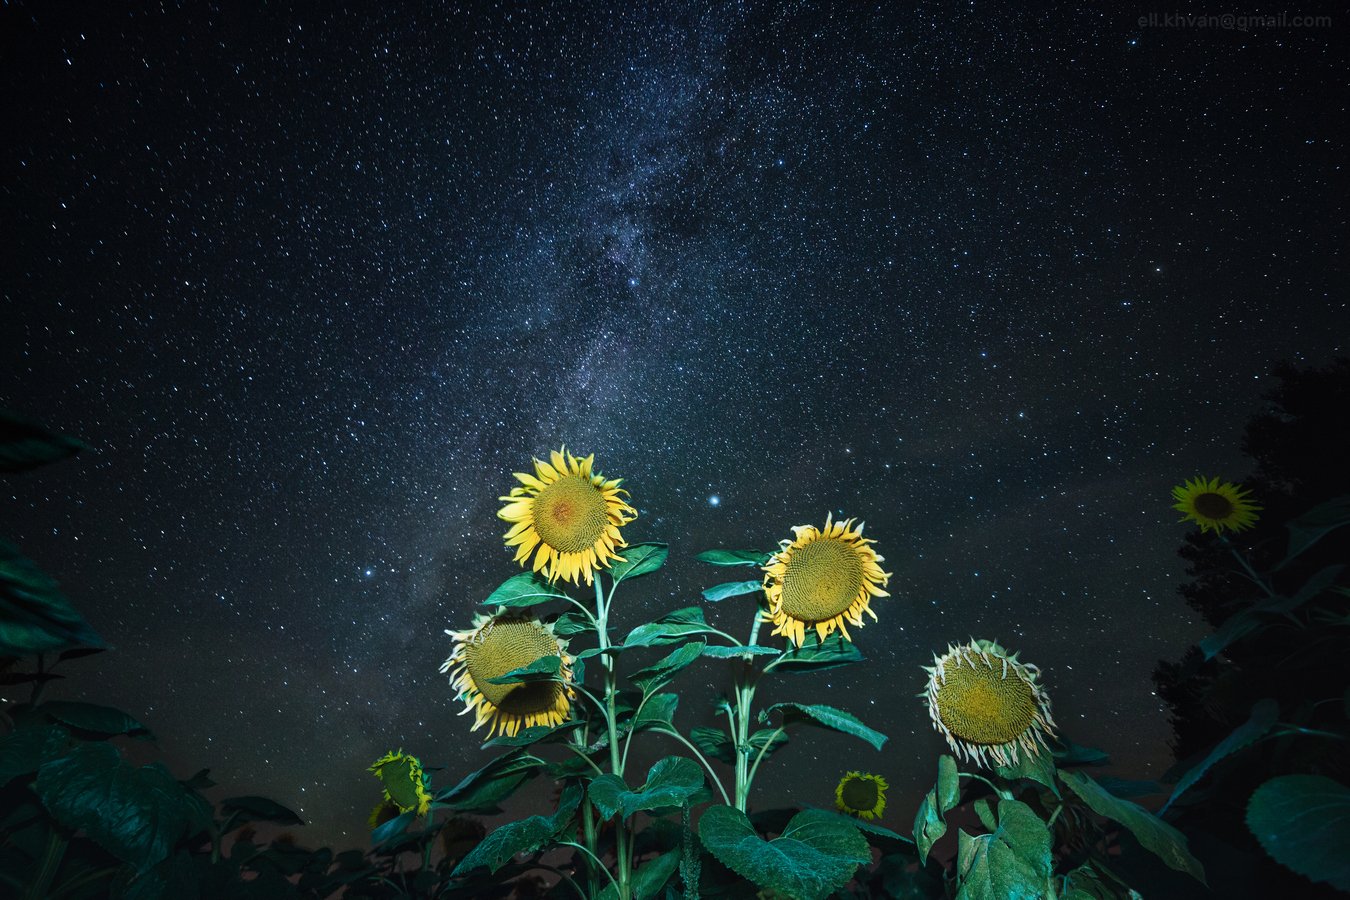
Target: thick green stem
(611,723)
(745,697)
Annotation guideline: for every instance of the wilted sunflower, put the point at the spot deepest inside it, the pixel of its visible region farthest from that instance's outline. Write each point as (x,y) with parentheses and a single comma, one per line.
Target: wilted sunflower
(824,577)
(987,704)
(496,645)
(1215,504)
(568,516)
(405,784)
(862,795)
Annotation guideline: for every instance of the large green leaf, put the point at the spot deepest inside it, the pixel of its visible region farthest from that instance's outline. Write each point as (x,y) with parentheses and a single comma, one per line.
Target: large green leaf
(535,734)
(670,783)
(1303,822)
(1264,716)
(948,783)
(545,668)
(732,589)
(482,790)
(735,557)
(259,809)
(34,615)
(815,855)
(650,879)
(815,655)
(639,559)
(1313,525)
(827,717)
(1013,861)
(658,710)
(24,750)
(1246,621)
(136,814)
(525,836)
(90,717)
(525,589)
(1153,833)
(27,445)
(929,825)
(659,674)
(724,651)
(668,629)
(1039,767)
(1067,753)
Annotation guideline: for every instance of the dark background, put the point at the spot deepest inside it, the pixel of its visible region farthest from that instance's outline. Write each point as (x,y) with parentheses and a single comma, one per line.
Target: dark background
(314,280)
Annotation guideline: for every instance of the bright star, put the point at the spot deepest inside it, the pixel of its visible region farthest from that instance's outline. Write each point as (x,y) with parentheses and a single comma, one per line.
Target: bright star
(714,500)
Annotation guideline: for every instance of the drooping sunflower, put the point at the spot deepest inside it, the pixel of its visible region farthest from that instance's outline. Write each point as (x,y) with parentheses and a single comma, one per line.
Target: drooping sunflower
(568,516)
(384,811)
(824,577)
(987,704)
(498,644)
(405,784)
(861,794)
(1215,505)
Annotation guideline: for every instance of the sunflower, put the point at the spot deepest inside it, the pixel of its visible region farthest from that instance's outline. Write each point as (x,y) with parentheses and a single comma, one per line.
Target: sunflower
(570,514)
(405,784)
(825,576)
(384,811)
(1215,504)
(987,704)
(498,644)
(862,795)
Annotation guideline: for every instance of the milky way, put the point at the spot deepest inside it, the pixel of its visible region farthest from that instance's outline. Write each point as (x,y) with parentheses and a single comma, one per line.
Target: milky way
(314,281)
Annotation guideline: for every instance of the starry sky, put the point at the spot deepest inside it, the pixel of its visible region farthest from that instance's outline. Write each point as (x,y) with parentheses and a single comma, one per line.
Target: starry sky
(313,280)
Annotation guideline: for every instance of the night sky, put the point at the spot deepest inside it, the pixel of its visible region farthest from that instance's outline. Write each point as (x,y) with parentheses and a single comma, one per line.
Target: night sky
(313,281)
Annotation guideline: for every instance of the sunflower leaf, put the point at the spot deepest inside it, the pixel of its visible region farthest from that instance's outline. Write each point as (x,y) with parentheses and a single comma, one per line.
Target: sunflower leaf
(34,615)
(135,813)
(1067,753)
(650,879)
(714,742)
(948,783)
(571,624)
(482,790)
(525,589)
(864,825)
(985,813)
(535,734)
(659,674)
(659,709)
(260,809)
(392,829)
(732,589)
(723,651)
(670,783)
(1264,716)
(668,629)
(735,557)
(1313,525)
(90,717)
(1303,822)
(767,739)
(26,445)
(639,559)
(545,668)
(1038,767)
(929,825)
(525,836)
(1153,833)
(815,855)
(816,656)
(1013,861)
(825,716)
(24,750)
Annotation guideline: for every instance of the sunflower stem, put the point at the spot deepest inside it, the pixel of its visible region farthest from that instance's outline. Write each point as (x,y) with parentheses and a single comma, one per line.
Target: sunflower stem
(760,756)
(598,863)
(1242,560)
(615,755)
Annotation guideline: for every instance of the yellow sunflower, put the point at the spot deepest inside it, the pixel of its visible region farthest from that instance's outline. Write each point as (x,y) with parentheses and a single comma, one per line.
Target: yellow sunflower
(1215,504)
(496,645)
(862,795)
(987,704)
(824,577)
(384,811)
(567,516)
(405,784)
